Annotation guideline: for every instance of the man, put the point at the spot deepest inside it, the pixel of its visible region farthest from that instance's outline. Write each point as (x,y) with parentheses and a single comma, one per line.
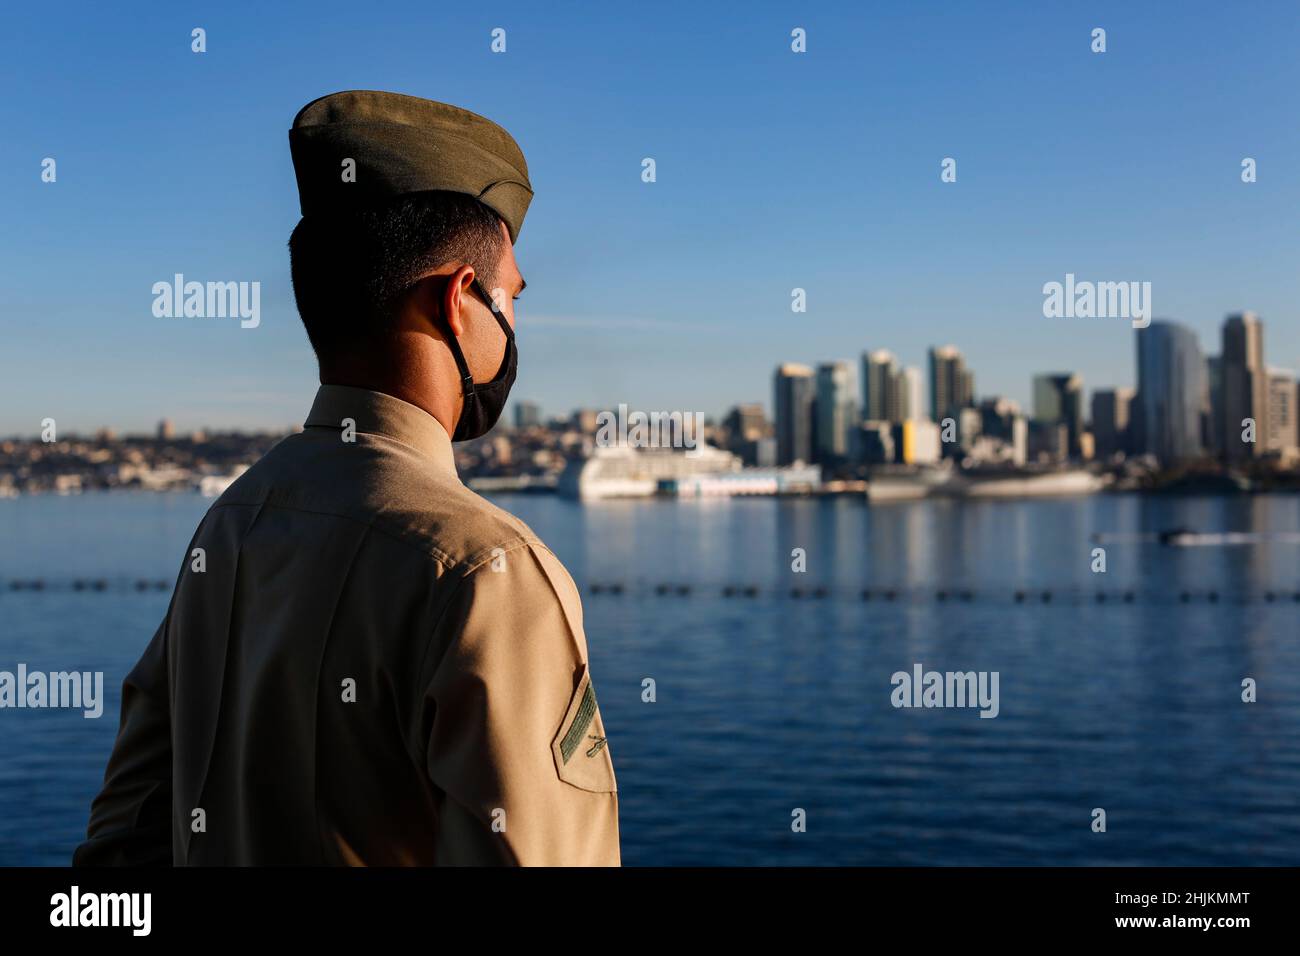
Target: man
(363,661)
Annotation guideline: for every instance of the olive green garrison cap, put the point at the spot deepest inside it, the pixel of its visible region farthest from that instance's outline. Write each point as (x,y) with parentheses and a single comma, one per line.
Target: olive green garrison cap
(403,144)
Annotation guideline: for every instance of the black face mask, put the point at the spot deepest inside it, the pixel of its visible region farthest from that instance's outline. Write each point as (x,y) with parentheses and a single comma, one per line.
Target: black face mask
(484,400)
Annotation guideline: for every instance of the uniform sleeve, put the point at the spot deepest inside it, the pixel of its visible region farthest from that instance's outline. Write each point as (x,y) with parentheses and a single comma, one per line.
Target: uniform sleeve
(130,819)
(518,746)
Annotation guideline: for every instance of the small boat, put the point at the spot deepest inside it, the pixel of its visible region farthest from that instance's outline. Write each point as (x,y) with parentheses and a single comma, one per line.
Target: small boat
(1183,538)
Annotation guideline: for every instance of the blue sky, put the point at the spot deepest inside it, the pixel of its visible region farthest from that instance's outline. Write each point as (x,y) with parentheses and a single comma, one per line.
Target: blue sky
(775,170)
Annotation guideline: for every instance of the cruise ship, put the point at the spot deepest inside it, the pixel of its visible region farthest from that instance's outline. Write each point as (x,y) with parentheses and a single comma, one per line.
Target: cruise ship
(620,471)
(702,472)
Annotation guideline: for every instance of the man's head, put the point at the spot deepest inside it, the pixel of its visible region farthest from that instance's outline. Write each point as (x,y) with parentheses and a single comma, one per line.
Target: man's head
(410,213)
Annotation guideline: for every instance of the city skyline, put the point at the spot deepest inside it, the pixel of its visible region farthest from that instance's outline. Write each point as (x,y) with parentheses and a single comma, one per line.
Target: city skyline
(1188,403)
(975,395)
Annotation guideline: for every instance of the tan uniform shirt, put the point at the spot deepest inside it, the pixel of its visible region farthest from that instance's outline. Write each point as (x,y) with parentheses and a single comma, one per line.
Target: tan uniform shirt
(365,663)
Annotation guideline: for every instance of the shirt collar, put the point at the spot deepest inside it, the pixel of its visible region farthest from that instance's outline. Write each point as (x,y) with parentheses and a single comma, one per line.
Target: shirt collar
(376,413)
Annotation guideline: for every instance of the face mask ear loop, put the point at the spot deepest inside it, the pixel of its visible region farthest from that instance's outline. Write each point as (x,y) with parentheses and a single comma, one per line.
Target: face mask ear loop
(466,378)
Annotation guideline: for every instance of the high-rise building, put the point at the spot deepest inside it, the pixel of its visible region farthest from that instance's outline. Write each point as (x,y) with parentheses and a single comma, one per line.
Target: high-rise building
(836,411)
(1172,395)
(911,395)
(1243,386)
(890,393)
(1213,437)
(1282,438)
(166,431)
(747,433)
(1111,408)
(880,391)
(527,414)
(1058,398)
(793,393)
(952,386)
(1019,440)
(746,421)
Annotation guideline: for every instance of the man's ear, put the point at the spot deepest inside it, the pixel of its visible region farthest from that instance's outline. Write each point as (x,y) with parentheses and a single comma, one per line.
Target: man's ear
(455,295)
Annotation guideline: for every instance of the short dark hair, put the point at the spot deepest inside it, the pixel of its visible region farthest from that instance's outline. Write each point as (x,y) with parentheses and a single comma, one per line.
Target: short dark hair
(350,268)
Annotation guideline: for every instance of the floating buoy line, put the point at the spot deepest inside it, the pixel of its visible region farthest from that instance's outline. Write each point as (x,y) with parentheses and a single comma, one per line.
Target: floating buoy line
(1070,596)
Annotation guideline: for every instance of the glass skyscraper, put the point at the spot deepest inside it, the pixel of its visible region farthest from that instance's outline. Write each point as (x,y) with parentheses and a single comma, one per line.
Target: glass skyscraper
(1172,392)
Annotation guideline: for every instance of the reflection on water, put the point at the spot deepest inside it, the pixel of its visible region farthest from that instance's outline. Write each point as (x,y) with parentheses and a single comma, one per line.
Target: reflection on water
(770,703)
